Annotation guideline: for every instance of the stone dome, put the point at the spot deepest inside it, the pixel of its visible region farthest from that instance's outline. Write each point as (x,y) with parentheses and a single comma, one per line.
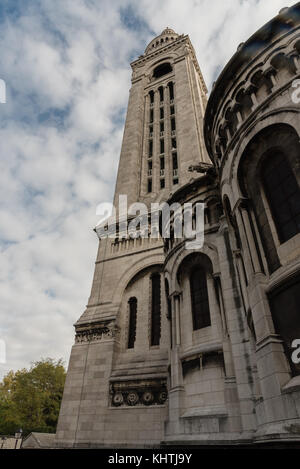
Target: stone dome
(168,35)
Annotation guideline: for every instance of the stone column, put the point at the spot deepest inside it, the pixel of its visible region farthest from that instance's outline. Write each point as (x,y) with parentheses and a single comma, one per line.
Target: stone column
(227,353)
(176,383)
(246,234)
(250,235)
(241,275)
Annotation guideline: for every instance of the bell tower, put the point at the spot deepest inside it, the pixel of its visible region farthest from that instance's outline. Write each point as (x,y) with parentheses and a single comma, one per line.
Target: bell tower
(163,132)
(116,392)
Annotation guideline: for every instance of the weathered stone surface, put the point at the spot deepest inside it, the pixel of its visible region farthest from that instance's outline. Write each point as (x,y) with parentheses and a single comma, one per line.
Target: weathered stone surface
(227,382)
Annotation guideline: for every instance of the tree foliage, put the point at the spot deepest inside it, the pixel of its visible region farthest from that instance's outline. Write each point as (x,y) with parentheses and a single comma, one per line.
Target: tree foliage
(30,399)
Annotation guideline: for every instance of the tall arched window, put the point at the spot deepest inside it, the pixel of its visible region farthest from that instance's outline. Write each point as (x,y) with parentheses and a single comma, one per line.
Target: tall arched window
(270,158)
(283,195)
(132,322)
(284,304)
(155,309)
(199,296)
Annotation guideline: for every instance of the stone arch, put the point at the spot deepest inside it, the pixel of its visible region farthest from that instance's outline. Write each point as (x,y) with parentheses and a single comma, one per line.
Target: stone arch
(213,208)
(277,139)
(282,61)
(284,116)
(132,271)
(150,66)
(155,63)
(296,46)
(208,250)
(193,259)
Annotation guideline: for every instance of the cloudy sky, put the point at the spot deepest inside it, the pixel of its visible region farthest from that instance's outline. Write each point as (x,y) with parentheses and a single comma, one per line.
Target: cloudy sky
(66,68)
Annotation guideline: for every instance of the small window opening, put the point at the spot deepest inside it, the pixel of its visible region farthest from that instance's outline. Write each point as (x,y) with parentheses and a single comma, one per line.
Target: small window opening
(162,70)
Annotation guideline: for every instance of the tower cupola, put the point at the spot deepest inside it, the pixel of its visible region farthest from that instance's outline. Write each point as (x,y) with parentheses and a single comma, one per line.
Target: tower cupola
(167,36)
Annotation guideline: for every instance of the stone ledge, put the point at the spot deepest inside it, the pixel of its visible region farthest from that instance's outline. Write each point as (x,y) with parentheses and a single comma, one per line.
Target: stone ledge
(211,411)
(292,385)
(202,349)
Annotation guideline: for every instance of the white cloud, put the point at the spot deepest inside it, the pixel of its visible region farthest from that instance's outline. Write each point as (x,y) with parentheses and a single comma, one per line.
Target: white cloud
(66,66)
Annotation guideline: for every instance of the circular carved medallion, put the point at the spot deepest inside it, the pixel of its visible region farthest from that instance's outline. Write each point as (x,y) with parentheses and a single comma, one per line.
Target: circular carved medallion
(132,398)
(162,397)
(148,397)
(118,399)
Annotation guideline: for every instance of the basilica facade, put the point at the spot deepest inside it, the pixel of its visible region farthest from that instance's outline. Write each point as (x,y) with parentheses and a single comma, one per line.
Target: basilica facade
(196,346)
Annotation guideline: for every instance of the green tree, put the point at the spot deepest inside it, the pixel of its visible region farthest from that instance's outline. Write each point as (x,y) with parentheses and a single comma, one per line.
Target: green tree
(30,399)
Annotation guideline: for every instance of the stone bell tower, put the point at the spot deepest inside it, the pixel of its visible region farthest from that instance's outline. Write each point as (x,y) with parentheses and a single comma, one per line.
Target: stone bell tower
(163,131)
(116,392)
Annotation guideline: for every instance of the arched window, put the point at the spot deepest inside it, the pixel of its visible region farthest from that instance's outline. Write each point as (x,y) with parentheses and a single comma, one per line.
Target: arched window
(132,322)
(284,304)
(155,309)
(283,195)
(162,69)
(270,158)
(199,296)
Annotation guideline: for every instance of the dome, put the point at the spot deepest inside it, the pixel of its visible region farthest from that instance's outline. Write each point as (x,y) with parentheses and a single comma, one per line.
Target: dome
(168,31)
(168,35)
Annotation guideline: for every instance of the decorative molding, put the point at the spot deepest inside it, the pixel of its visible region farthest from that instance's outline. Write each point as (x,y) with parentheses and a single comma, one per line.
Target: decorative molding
(138,392)
(231,117)
(96,333)
(217,411)
(267,340)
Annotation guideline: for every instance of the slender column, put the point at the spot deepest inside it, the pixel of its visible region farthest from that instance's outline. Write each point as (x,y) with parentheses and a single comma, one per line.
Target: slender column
(254,99)
(220,302)
(296,62)
(244,241)
(177,316)
(228,134)
(239,117)
(176,391)
(273,78)
(250,236)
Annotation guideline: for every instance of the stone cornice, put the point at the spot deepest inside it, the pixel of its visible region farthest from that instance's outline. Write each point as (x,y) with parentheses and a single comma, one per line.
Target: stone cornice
(253,57)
